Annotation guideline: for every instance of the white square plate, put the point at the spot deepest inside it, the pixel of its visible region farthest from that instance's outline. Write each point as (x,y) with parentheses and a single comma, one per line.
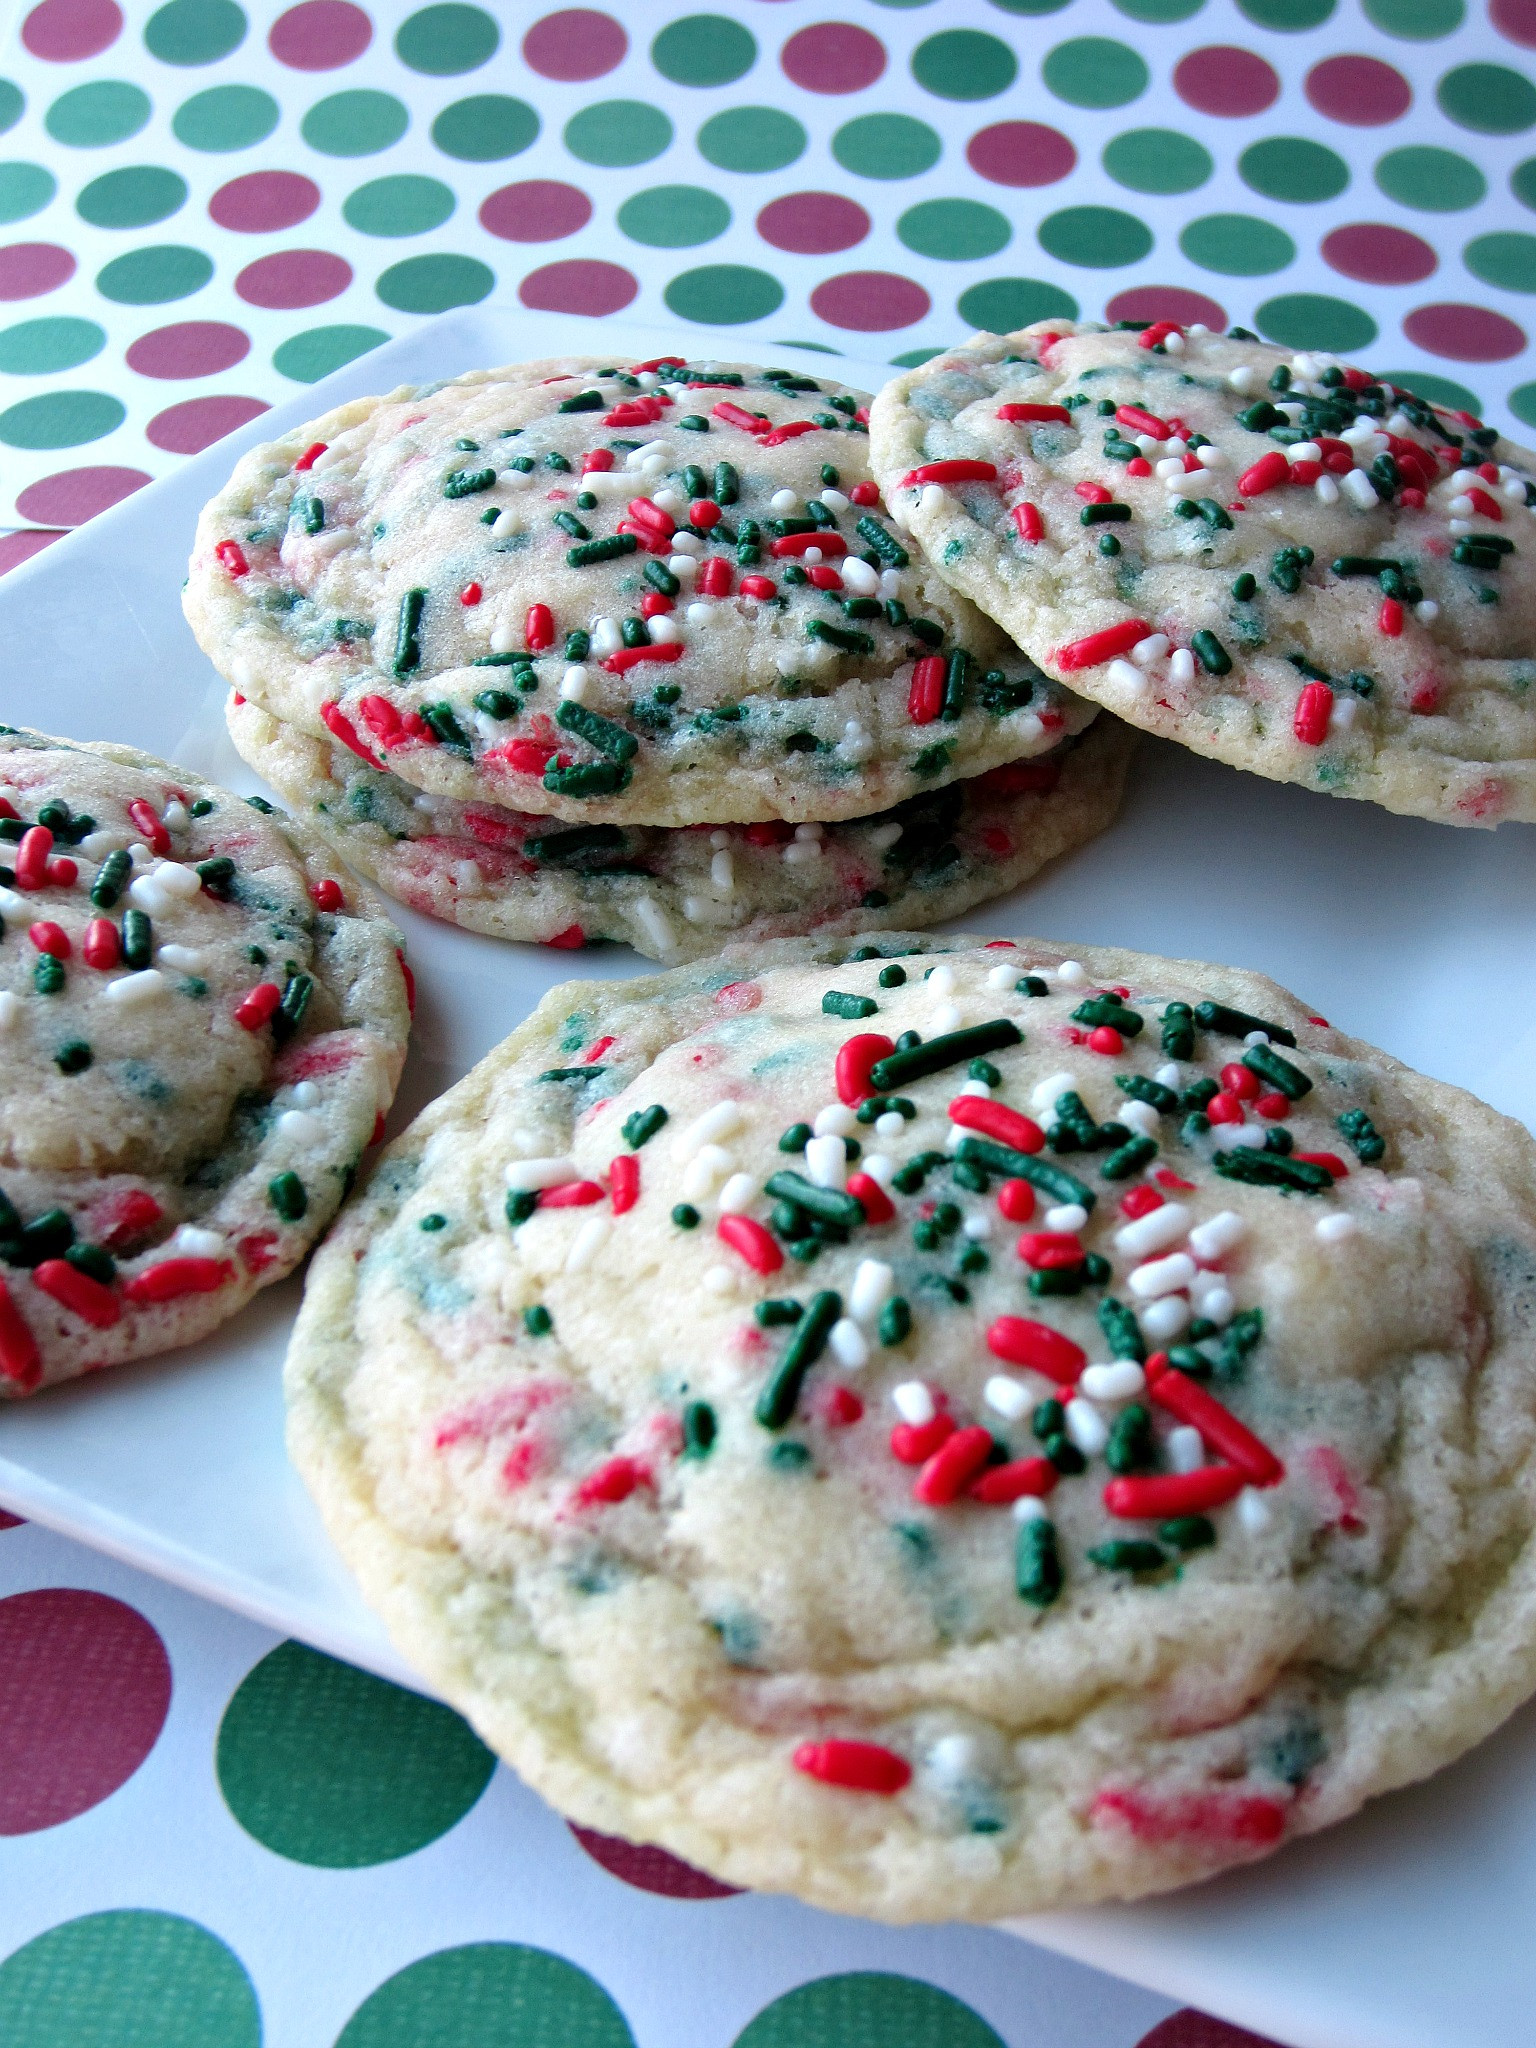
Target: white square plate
(1408,1927)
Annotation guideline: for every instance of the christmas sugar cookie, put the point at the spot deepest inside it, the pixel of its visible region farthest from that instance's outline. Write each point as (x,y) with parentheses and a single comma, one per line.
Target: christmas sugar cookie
(1273,558)
(679,894)
(200,1027)
(665,594)
(948,1434)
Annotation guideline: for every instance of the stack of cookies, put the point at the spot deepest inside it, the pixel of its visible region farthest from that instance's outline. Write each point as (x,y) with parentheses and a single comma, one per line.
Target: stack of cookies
(584,650)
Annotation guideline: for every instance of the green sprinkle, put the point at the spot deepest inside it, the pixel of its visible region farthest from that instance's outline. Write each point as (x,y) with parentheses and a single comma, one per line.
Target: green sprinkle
(463,483)
(1064,1455)
(111,879)
(1125,1555)
(796,1138)
(772,1315)
(73,1056)
(587,778)
(832,1205)
(447,729)
(1244,587)
(1178,1033)
(48,975)
(883,542)
(1213,514)
(1031,985)
(1129,1158)
(640,1127)
(1264,1061)
(1140,1089)
(777,1401)
(569,523)
(289,1014)
(895,1325)
(1188,1532)
(727,484)
(836,1004)
(538,1321)
(1037,1563)
(1048,1418)
(1121,1330)
(1272,1170)
(1104,515)
(608,549)
(1369,1145)
(953,701)
(584,401)
(408,632)
(310,514)
(1240,1338)
(217,875)
(660,577)
(520,1205)
(685,1216)
(496,703)
(1237,1023)
(1109,1010)
(635,633)
(93,1261)
(1130,1447)
(1050,1180)
(1209,652)
(845,638)
(290,1198)
(597,731)
(983,1070)
(948,1050)
(700,1428)
(892,976)
(434,1222)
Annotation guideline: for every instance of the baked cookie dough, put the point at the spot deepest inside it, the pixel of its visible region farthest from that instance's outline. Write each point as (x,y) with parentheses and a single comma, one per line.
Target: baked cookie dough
(1270,557)
(665,594)
(959,1434)
(680,894)
(201,1026)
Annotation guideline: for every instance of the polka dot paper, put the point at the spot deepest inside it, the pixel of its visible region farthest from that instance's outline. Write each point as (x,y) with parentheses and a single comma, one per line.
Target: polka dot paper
(208,205)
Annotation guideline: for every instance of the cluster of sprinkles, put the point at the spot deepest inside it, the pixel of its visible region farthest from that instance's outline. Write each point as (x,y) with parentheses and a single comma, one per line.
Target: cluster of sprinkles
(1109,1208)
(87,927)
(696,533)
(1310,425)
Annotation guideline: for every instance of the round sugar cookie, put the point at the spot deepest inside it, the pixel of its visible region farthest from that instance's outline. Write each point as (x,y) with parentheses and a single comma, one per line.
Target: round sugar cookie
(200,1029)
(680,894)
(1270,557)
(1097,1455)
(666,595)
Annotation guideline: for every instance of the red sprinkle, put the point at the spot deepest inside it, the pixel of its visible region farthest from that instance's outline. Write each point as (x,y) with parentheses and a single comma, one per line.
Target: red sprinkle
(961,470)
(1389,619)
(856,1766)
(173,1278)
(528,757)
(20,1360)
(1224,1109)
(864,494)
(1026,518)
(471,594)
(738,416)
(871,1197)
(704,513)
(79,1293)
(1050,1250)
(1143,422)
(231,557)
(1273,1105)
(571,1194)
(1241,1081)
(855,1057)
(101,947)
(950,1470)
(636,412)
(626,657)
(1016,1200)
(311,455)
(149,823)
(127,1216)
(1269,470)
(823,538)
(1314,708)
(1158,332)
(646,512)
(1189,1401)
(1167,1178)
(1106,1039)
(1019,1341)
(1331,1160)
(539,628)
(50,938)
(327,895)
(255,1009)
(1154,1499)
(997,1120)
(612,1482)
(1096,648)
(410,982)
(1138,466)
(1093,494)
(759,586)
(1217,1816)
(568,940)
(596,459)
(1140,1202)
(1481,502)
(654,605)
(825,577)
(925,693)
(337,723)
(839,1407)
(32,857)
(790,431)
(1036,412)
(751,1240)
(999,1484)
(913,1443)
(714,577)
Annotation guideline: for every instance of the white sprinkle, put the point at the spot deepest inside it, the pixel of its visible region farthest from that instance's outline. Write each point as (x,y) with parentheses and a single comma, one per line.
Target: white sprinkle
(1120,1380)
(1216,1305)
(1164,1320)
(1458,526)
(941,981)
(1154,1232)
(687,544)
(1256,1038)
(1086,1427)
(1209,456)
(1069,1216)
(1173,344)
(1237,1137)
(782,502)
(185,959)
(1186,1448)
(524,1176)
(946,1018)
(890,1124)
(1140,1117)
(193,1243)
(1334,1229)
(1150,650)
(651,455)
(722,871)
(10,1010)
(654,922)
(715,1123)
(811,831)
(954,1758)
(932,497)
(1181,665)
(979,1088)
(1006,1397)
(1358,487)
(1072,974)
(719,1280)
(700,611)
(719,838)
(1169,1075)
(870,1288)
(300,1128)
(1029,1509)
(738,1195)
(670,499)
(836,502)
(305,1095)
(1427,611)
(1304,451)
(710,1165)
(508,521)
(586,1244)
(978,1226)
(1253,1511)
(814,557)
(882,837)
(826,1162)
(1343,713)
(835,1121)
(573,684)
(1002,977)
(1514,490)
(857,742)
(859,577)
(1125,676)
(913,1402)
(1241,380)
(145,894)
(802,852)
(1044,1095)
(1218,1234)
(134,989)
(664,631)
(1326,489)
(880,1167)
(1170,469)
(1162,1276)
(848,1344)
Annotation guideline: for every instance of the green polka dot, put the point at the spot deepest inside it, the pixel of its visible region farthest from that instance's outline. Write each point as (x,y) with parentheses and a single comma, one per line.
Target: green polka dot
(1029,7)
(1522,182)
(25,189)
(1522,403)
(405,205)
(355,123)
(435,284)
(954,230)
(674,216)
(125,1980)
(866,2009)
(616,133)
(704,49)
(1433,180)
(225,117)
(1002,304)
(485,129)
(1438,390)
(1093,71)
(61,419)
(443,41)
(1505,260)
(1312,320)
(194,31)
(1418,21)
(107,110)
(1237,245)
(886,146)
(724,294)
(488,1995)
(963,64)
(1288,16)
(12,104)
(1291,168)
(309,356)
(134,197)
(1098,237)
(751,139)
(1159,10)
(329,1766)
(914,358)
(36,348)
(154,276)
(1157,160)
(1489,98)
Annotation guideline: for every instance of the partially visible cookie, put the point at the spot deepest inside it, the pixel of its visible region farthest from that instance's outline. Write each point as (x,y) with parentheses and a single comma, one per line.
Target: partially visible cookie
(947,1436)
(666,594)
(200,1029)
(1270,557)
(681,893)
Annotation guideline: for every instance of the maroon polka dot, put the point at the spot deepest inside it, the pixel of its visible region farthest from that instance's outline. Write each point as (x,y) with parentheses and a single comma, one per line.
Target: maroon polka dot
(1190,2029)
(264,200)
(293,277)
(320,35)
(64,31)
(1222,79)
(1466,334)
(28,269)
(1020,153)
(1360,91)
(649,1869)
(1515,19)
(16,548)
(196,423)
(813,223)
(1166,302)
(71,496)
(574,44)
(190,348)
(833,56)
(84,1688)
(7,1519)
(537,210)
(582,285)
(1377,254)
(870,301)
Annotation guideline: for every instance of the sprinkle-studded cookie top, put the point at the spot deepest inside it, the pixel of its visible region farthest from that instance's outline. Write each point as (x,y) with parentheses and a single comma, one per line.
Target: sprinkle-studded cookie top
(1043,1418)
(665,592)
(1273,557)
